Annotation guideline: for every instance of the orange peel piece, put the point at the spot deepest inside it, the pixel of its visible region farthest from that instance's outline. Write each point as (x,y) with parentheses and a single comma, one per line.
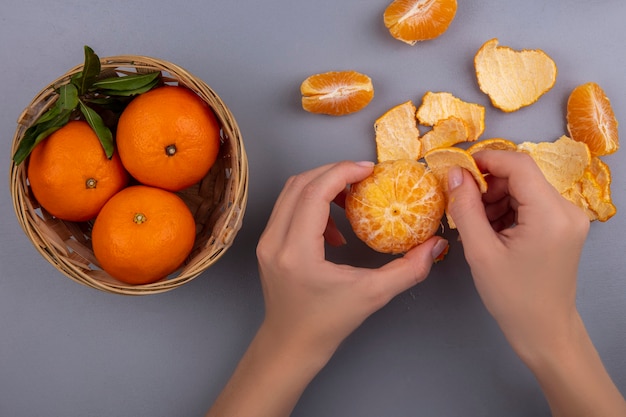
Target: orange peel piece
(497,144)
(513,78)
(336,93)
(563,162)
(590,119)
(397,207)
(397,135)
(440,160)
(445,133)
(440,106)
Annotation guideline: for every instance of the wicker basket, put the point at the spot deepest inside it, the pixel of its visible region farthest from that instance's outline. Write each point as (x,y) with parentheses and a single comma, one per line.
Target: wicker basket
(218,201)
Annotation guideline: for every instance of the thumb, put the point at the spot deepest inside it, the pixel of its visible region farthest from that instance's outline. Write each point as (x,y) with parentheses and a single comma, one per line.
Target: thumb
(407,271)
(466,208)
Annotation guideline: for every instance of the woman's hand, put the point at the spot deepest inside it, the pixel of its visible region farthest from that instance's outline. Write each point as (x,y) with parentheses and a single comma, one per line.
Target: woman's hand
(523,242)
(308,298)
(312,304)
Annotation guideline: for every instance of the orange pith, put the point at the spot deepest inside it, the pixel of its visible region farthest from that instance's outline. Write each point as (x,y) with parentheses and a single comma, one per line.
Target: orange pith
(336,93)
(70,174)
(168,138)
(397,207)
(143,234)
(412,21)
(590,119)
(513,78)
(397,135)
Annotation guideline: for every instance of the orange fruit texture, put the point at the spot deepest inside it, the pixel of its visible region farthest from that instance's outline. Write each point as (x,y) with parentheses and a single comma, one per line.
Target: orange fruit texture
(70,175)
(168,138)
(397,207)
(513,79)
(336,93)
(411,21)
(143,234)
(590,119)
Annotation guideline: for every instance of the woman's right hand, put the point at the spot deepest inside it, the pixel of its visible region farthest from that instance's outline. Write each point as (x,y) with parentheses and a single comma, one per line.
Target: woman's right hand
(523,243)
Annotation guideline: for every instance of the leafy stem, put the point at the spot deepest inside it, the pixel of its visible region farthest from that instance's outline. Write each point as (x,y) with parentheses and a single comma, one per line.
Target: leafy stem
(86,96)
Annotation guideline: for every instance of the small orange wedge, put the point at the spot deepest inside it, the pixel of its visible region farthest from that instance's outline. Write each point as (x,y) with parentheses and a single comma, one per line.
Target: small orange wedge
(412,21)
(336,93)
(590,119)
(513,79)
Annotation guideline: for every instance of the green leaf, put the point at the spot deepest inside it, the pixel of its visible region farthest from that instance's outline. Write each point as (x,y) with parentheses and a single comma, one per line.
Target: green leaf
(128,93)
(126,83)
(68,97)
(97,124)
(91,70)
(53,119)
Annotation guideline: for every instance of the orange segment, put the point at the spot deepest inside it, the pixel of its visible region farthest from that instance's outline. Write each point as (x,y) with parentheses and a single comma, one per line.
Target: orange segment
(497,144)
(397,207)
(445,133)
(513,79)
(590,119)
(417,20)
(562,162)
(336,93)
(397,136)
(440,106)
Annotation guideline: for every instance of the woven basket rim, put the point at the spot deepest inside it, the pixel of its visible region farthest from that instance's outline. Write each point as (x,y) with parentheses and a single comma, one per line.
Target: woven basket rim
(228,212)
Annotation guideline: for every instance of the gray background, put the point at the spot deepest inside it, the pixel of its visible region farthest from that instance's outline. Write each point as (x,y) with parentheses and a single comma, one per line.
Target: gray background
(68,350)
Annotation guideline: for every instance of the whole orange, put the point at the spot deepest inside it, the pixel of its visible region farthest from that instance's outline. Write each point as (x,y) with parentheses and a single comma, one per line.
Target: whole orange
(70,175)
(168,138)
(143,234)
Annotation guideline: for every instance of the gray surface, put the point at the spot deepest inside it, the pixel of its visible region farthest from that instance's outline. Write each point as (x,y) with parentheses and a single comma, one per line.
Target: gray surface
(67,350)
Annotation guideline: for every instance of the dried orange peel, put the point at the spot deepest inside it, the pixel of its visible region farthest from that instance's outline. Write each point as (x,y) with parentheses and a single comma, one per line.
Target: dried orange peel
(445,133)
(441,105)
(496,144)
(513,79)
(397,207)
(562,162)
(397,135)
(336,93)
(440,161)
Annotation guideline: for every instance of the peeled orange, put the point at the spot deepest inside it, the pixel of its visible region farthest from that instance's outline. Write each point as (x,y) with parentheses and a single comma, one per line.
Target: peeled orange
(397,207)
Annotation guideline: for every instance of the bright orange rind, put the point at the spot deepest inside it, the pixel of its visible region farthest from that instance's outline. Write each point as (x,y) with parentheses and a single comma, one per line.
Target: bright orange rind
(497,144)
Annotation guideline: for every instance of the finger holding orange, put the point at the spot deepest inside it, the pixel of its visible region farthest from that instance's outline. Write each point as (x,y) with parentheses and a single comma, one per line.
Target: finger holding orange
(143,234)
(70,175)
(168,138)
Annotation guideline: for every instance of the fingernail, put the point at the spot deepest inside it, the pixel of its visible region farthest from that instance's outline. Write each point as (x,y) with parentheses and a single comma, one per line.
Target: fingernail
(439,250)
(367,164)
(455,177)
